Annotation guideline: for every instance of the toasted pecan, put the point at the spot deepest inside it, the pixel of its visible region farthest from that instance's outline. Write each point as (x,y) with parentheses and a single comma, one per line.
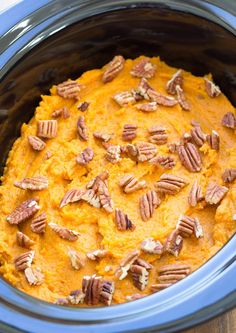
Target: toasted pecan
(107,291)
(213,140)
(182,99)
(77,262)
(76,296)
(113,68)
(97,254)
(148,203)
(85,157)
(140,273)
(83,106)
(126,263)
(141,151)
(82,129)
(211,89)
(73,195)
(64,233)
(190,157)
(174,243)
(62,112)
(34,276)
(47,128)
(124,98)
(166,162)
(122,221)
(229,175)
(23,240)
(170,184)
(186,226)
(143,68)
(147,107)
(149,245)
(91,287)
(195,194)
(215,193)
(229,120)
(36,183)
(129,183)
(158,135)
(36,143)
(102,136)
(129,132)
(113,154)
(38,223)
(69,89)
(176,80)
(24,211)
(198,136)
(24,260)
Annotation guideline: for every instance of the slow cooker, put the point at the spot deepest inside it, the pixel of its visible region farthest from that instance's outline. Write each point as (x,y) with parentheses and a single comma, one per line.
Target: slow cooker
(44,42)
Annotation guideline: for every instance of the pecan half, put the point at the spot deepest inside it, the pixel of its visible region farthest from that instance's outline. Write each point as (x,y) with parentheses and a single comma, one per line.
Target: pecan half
(34,276)
(72,195)
(129,132)
(69,89)
(149,245)
(158,135)
(126,263)
(124,98)
(182,99)
(229,120)
(23,240)
(139,271)
(82,129)
(83,106)
(38,224)
(212,89)
(142,151)
(91,287)
(190,157)
(195,194)
(105,197)
(64,233)
(122,221)
(91,197)
(198,136)
(148,203)
(147,107)
(36,183)
(47,128)
(113,68)
(102,136)
(229,175)
(170,184)
(176,80)
(62,112)
(186,226)
(24,260)
(23,212)
(95,182)
(166,162)
(129,183)
(113,154)
(213,140)
(174,243)
(36,143)
(85,157)
(97,254)
(77,261)
(107,291)
(76,296)
(215,193)
(143,68)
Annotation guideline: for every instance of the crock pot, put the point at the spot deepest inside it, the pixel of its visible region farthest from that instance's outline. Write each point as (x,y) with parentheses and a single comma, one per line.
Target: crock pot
(44,42)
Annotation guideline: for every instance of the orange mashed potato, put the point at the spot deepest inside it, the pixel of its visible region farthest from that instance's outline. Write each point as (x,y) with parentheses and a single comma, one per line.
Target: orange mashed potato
(96,226)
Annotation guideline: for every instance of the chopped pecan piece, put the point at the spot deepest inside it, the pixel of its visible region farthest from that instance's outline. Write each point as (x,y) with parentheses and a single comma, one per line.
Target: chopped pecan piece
(190,157)
(173,147)
(186,137)
(91,287)
(36,183)
(34,276)
(92,198)
(102,136)
(129,132)
(198,136)
(107,291)
(174,243)
(47,155)
(215,193)
(176,80)
(113,68)
(134,297)
(105,197)
(23,240)
(36,143)
(148,203)
(62,301)
(69,89)
(122,221)
(83,106)
(95,183)
(24,260)
(147,107)
(170,184)
(129,183)
(85,157)
(124,98)
(126,263)
(229,120)
(229,175)
(64,233)
(182,99)
(113,154)
(38,224)
(82,129)
(24,211)
(139,271)
(158,135)
(195,194)
(212,89)
(77,261)
(62,112)
(72,195)
(149,245)
(144,68)
(97,254)
(166,162)
(186,226)
(214,140)
(47,128)
(76,296)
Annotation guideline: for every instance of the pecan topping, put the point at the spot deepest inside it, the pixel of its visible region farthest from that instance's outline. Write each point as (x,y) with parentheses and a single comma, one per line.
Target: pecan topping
(229,120)
(139,270)
(186,226)
(72,195)
(148,203)
(186,137)
(174,243)
(122,221)
(47,128)
(182,99)
(215,193)
(166,162)
(23,240)
(149,245)
(102,136)
(38,224)
(105,197)
(48,155)
(85,157)
(83,106)
(24,260)
(69,89)
(62,112)
(147,107)
(24,211)
(229,175)
(212,89)
(97,254)
(113,154)
(34,276)
(170,184)
(197,135)
(113,68)
(124,98)
(214,140)
(142,151)
(158,135)
(62,301)
(195,194)
(129,183)
(173,147)
(134,297)
(82,129)
(190,157)
(129,132)
(144,68)
(36,143)
(176,80)
(107,291)
(76,297)
(91,287)
(36,183)
(64,233)
(77,261)
(126,263)
(92,198)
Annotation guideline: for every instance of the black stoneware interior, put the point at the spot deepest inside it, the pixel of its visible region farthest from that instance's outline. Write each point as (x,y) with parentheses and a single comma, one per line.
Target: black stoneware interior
(181,39)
